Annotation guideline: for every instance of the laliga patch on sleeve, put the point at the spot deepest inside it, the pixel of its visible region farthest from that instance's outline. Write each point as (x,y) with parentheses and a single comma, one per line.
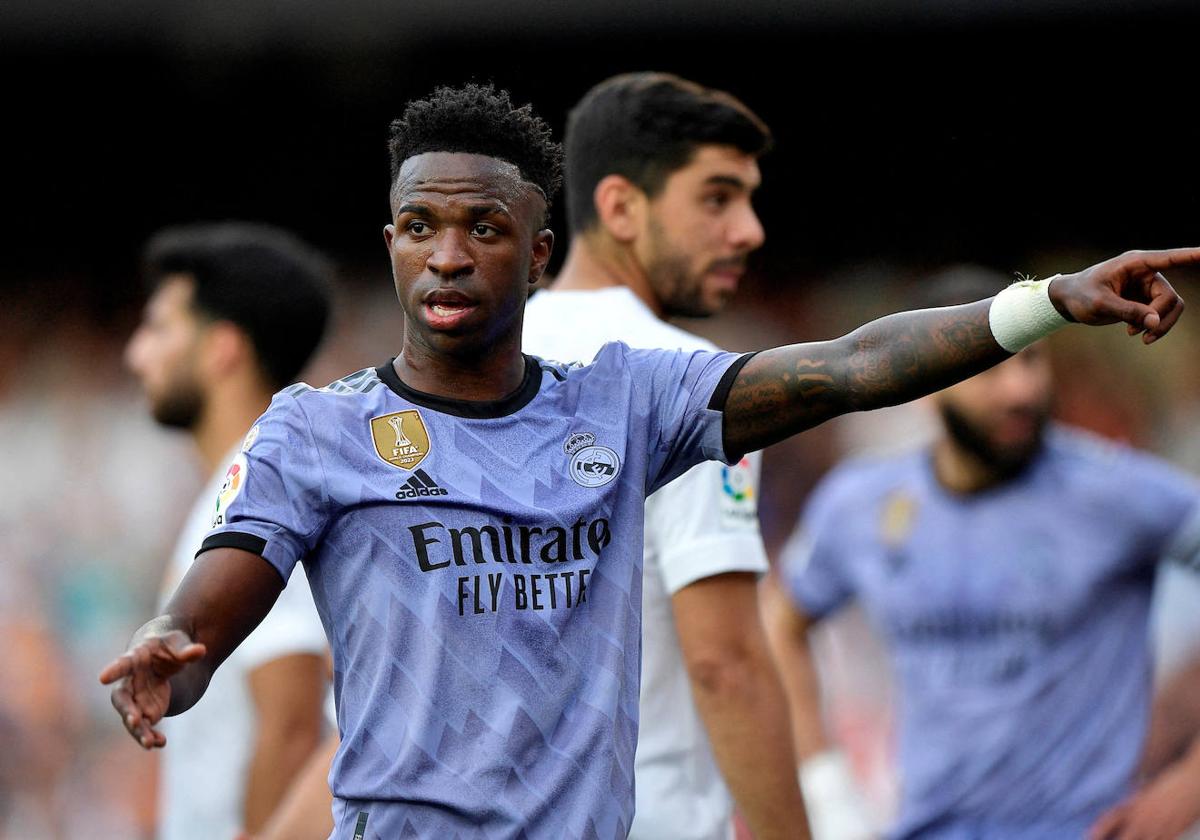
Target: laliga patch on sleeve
(739,508)
(251,436)
(235,480)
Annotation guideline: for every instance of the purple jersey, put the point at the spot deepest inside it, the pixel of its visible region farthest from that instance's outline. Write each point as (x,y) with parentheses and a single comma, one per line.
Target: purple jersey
(477,567)
(1016,619)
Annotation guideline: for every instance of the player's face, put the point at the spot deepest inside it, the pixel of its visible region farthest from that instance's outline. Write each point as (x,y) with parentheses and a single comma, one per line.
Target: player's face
(1000,414)
(162,353)
(699,231)
(465,245)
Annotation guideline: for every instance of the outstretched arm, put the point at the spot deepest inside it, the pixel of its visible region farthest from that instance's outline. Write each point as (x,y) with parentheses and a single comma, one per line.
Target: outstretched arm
(901,357)
(171,658)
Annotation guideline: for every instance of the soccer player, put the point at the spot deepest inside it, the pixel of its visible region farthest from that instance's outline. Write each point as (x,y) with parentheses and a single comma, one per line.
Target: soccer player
(1008,568)
(659,173)
(237,310)
(470,518)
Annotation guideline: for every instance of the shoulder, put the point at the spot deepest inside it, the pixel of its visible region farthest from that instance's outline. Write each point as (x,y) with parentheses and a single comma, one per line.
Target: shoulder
(641,328)
(618,355)
(558,370)
(1130,481)
(360,382)
(1086,456)
(577,323)
(305,399)
(856,483)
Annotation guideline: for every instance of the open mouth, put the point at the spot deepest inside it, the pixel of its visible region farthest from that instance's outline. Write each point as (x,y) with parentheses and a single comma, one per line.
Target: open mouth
(445,308)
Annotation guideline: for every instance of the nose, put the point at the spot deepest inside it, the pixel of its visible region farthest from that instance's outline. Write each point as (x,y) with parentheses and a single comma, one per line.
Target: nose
(747,232)
(450,256)
(1022,381)
(134,352)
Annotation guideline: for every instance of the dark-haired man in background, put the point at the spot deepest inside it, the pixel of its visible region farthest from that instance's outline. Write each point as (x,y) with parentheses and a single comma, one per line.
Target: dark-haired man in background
(236,311)
(471,518)
(1008,568)
(659,173)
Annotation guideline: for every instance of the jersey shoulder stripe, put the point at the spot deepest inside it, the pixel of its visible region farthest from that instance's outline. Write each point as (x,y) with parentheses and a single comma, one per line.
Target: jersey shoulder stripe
(360,382)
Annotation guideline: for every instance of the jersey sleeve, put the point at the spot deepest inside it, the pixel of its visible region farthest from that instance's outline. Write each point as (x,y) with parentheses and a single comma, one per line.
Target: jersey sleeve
(1166,501)
(705,523)
(681,394)
(273,501)
(814,568)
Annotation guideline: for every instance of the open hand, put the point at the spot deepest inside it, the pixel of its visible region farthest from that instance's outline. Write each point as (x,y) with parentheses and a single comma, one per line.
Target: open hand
(1127,288)
(142,675)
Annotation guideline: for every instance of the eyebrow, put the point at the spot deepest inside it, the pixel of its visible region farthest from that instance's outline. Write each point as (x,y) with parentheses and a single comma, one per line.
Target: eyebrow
(476,211)
(728,181)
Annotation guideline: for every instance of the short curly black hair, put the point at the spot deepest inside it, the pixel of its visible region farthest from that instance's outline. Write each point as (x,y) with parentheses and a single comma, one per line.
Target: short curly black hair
(479,119)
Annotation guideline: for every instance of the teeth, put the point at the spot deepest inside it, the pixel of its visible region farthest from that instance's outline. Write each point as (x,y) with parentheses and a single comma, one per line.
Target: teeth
(439,309)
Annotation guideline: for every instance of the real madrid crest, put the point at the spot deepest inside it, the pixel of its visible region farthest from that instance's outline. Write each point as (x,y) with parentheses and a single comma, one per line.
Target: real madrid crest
(401,438)
(591,465)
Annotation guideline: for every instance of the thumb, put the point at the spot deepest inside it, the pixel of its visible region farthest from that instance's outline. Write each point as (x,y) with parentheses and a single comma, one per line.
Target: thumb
(1139,316)
(1110,823)
(181,646)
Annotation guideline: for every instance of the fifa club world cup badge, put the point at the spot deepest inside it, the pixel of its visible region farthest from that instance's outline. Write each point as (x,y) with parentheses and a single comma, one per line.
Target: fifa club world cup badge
(401,438)
(591,465)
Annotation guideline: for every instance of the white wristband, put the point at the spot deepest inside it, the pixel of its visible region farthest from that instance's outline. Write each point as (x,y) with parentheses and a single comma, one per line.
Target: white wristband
(1023,313)
(836,808)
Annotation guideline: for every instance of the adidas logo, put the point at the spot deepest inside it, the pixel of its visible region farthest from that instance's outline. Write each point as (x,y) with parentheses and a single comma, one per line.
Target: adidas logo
(420,485)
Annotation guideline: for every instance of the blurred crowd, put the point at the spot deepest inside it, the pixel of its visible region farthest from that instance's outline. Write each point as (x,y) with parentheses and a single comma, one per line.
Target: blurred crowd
(96,494)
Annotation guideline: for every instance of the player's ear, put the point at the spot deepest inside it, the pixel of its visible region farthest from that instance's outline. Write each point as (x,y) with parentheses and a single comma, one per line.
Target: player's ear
(225,348)
(543,247)
(620,207)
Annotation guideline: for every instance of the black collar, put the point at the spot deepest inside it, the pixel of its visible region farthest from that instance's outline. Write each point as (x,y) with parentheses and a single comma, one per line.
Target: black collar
(477,409)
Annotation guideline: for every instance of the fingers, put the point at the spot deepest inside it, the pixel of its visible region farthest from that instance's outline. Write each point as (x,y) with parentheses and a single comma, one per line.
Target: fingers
(172,651)
(1111,307)
(1110,822)
(136,723)
(115,670)
(142,691)
(1169,258)
(191,653)
(1166,303)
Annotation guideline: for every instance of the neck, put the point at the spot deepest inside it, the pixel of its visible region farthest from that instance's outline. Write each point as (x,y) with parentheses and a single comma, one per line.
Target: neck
(226,419)
(595,261)
(961,471)
(476,376)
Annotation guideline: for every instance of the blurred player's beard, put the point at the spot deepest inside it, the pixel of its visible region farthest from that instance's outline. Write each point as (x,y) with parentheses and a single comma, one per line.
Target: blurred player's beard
(679,290)
(181,406)
(1003,460)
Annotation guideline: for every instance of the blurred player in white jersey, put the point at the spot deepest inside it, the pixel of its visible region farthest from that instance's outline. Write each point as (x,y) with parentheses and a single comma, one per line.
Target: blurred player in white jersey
(658,178)
(236,311)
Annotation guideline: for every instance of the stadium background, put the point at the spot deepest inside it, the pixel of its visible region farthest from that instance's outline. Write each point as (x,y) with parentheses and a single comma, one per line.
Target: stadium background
(1027,136)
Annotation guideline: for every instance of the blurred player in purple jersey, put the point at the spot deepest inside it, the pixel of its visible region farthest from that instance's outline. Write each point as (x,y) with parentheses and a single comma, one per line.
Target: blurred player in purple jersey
(236,311)
(1008,568)
(470,518)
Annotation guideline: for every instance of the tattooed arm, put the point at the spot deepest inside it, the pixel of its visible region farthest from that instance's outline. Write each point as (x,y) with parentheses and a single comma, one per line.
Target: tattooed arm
(901,357)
